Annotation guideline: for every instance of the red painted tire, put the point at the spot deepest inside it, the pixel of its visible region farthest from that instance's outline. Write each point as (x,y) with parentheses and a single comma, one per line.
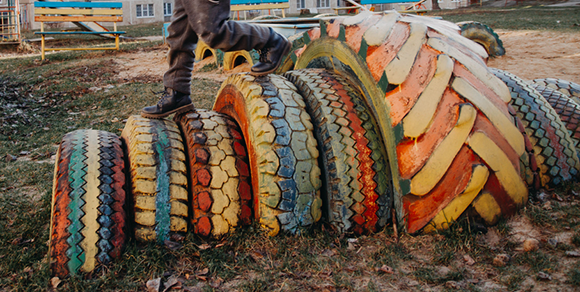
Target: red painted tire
(221,194)
(87,226)
(358,190)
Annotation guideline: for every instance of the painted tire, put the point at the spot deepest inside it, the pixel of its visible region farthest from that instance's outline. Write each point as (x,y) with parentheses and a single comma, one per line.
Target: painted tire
(483,35)
(568,88)
(554,149)
(450,139)
(281,147)
(219,173)
(158,178)
(87,228)
(567,109)
(236,58)
(202,51)
(358,190)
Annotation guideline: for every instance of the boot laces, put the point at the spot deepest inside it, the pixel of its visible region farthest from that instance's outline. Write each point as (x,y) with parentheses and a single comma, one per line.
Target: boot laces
(264,55)
(162,95)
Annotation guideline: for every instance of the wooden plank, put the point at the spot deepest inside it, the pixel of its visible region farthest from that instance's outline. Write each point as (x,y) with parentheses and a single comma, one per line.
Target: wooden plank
(72,11)
(259,6)
(46,4)
(78,18)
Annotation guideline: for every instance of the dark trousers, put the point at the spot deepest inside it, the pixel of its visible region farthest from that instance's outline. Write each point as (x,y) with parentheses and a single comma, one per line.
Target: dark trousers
(208,20)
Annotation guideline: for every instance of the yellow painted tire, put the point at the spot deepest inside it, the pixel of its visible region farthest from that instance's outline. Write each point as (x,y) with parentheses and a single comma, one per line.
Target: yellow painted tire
(483,35)
(281,147)
(221,192)
(237,58)
(158,177)
(87,229)
(203,51)
(450,138)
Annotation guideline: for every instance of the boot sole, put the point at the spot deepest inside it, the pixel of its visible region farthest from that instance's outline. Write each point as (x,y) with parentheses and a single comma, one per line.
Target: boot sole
(286,51)
(179,110)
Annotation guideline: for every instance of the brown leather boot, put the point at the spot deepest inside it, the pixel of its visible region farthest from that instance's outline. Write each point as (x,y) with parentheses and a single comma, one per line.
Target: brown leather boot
(271,55)
(170,102)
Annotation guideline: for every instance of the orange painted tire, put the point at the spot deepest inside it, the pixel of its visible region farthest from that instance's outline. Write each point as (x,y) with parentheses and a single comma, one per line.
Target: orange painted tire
(158,177)
(553,147)
(281,148)
(567,109)
(450,139)
(221,194)
(357,193)
(87,226)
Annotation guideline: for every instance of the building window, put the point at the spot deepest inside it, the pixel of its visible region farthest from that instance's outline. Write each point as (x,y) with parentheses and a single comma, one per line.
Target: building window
(322,3)
(145,10)
(300,4)
(167,9)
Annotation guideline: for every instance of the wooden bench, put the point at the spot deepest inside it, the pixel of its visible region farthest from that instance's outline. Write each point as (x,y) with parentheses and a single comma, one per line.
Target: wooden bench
(79,13)
(247,5)
(413,8)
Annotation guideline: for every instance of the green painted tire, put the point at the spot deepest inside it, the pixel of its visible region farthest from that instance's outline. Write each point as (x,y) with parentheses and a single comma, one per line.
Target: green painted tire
(87,229)
(554,149)
(281,147)
(568,88)
(483,35)
(158,177)
(221,192)
(357,196)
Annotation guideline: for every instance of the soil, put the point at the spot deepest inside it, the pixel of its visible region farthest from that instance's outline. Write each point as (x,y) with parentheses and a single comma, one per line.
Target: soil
(534,54)
(529,54)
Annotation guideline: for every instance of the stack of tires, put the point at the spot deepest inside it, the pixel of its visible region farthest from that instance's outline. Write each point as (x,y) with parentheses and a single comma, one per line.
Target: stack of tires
(372,118)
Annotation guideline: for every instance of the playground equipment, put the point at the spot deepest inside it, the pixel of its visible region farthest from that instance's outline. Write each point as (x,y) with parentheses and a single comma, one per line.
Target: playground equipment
(10,23)
(369,116)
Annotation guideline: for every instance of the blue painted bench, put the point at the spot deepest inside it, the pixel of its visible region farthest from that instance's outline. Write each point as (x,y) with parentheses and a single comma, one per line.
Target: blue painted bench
(84,15)
(246,5)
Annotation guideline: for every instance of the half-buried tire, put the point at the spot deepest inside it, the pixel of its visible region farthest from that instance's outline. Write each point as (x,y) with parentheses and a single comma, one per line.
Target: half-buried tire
(358,191)
(158,177)
(281,147)
(568,88)
(553,147)
(567,109)
(219,172)
(87,228)
(449,136)
(483,35)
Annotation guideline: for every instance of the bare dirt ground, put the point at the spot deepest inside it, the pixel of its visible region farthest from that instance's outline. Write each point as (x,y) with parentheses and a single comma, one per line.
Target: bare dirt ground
(530,55)
(540,54)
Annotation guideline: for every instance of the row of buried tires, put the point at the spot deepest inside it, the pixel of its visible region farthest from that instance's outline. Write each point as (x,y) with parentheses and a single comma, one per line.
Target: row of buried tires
(383,114)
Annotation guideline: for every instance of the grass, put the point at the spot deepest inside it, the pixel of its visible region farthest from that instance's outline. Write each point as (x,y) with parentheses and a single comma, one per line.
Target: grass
(518,18)
(42,101)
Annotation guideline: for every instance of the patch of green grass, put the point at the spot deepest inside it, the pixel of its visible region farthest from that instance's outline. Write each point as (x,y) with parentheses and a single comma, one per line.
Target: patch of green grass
(574,275)
(391,255)
(518,18)
(539,215)
(576,238)
(537,261)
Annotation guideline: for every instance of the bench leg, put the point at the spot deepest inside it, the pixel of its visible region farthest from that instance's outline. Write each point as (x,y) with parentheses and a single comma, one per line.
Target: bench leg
(117,42)
(42,47)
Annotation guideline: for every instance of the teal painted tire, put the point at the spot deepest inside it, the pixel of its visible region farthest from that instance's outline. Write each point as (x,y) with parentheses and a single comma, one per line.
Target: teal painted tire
(87,229)
(554,149)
